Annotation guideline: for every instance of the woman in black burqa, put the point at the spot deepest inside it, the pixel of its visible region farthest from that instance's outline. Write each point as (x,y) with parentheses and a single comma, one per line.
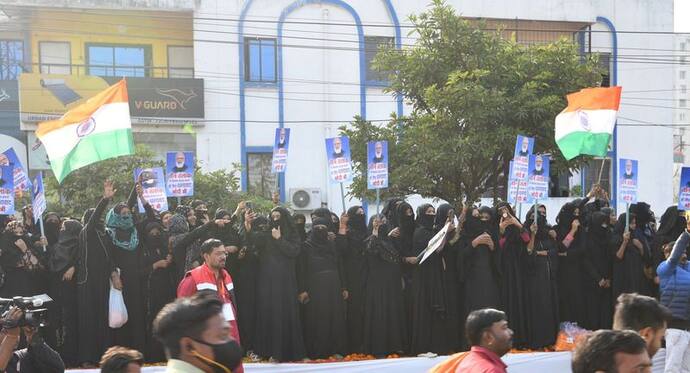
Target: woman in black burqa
(630,253)
(278,328)
(63,267)
(429,297)
(599,270)
(480,261)
(322,289)
(94,271)
(571,240)
(540,283)
(384,321)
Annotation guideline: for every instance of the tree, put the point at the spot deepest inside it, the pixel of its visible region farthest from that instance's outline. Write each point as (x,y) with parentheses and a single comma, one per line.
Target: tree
(472,91)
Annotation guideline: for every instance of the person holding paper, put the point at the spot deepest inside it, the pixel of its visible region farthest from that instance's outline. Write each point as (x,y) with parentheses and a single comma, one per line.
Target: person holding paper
(512,241)
(22,261)
(541,286)
(481,262)
(429,304)
(445,214)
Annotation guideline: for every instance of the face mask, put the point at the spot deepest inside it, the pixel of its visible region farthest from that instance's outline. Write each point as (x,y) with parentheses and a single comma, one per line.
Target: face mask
(358,219)
(225,356)
(320,234)
(427,221)
(275,224)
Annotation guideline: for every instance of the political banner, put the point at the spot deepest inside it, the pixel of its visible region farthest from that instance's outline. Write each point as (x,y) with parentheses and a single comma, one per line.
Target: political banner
(21,179)
(153,184)
(627,181)
(280,150)
(6,190)
(517,189)
(523,150)
(180,174)
(377,164)
(538,178)
(38,197)
(684,190)
(339,160)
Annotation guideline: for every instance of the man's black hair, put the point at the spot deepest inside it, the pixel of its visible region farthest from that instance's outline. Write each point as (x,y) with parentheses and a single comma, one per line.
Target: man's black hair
(116,359)
(210,244)
(185,317)
(598,351)
(479,321)
(636,312)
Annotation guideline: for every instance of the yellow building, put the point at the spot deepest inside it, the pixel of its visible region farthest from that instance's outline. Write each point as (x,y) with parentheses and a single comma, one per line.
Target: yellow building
(57,47)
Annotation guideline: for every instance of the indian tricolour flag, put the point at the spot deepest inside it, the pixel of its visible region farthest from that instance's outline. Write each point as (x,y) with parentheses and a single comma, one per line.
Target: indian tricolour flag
(96,130)
(586,125)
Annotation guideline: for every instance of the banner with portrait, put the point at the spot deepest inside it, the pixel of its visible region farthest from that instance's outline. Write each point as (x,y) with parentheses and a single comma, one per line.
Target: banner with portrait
(153,184)
(180,174)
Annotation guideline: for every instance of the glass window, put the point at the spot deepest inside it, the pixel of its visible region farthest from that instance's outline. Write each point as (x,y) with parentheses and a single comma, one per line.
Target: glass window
(681,116)
(260,180)
(118,60)
(682,74)
(260,60)
(682,102)
(592,170)
(11,59)
(180,62)
(683,88)
(372,45)
(55,57)
(605,65)
(682,46)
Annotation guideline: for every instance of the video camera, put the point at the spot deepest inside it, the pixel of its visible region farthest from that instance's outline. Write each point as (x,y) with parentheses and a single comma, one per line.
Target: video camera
(33,313)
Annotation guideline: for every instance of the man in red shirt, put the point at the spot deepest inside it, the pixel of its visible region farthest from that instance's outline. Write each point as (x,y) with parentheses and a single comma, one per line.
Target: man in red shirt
(490,337)
(212,276)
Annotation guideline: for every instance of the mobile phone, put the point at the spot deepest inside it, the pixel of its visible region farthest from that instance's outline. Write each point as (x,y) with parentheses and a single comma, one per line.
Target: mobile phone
(505,215)
(248,205)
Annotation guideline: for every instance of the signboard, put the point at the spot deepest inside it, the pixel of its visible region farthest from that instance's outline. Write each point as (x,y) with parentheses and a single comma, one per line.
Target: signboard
(38,158)
(523,150)
(627,181)
(38,197)
(9,109)
(6,191)
(377,164)
(153,183)
(21,180)
(517,189)
(684,191)
(151,100)
(280,150)
(180,174)
(538,178)
(339,160)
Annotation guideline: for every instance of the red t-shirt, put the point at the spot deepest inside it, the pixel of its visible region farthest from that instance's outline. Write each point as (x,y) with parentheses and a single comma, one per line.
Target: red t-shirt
(481,360)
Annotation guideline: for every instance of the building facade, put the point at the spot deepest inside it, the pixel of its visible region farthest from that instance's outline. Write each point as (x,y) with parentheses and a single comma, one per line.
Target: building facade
(306,65)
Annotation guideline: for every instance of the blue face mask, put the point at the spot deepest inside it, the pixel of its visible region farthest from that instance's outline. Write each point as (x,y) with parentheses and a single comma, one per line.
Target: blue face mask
(115,222)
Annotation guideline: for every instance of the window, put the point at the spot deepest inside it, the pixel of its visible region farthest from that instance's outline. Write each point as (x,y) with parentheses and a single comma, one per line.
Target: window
(682,102)
(55,57)
(180,62)
(683,88)
(592,170)
(118,60)
(681,117)
(605,65)
(682,46)
(11,59)
(683,60)
(260,180)
(682,74)
(372,45)
(260,60)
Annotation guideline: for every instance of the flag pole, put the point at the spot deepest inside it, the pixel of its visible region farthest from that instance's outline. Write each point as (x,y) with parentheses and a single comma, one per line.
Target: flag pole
(342,196)
(378,200)
(627,216)
(601,170)
(40,224)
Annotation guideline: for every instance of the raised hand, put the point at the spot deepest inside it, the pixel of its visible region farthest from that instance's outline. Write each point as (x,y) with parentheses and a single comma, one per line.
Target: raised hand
(275,232)
(109,189)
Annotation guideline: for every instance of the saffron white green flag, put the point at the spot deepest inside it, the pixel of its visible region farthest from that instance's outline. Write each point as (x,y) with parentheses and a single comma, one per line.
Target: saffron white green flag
(586,125)
(99,129)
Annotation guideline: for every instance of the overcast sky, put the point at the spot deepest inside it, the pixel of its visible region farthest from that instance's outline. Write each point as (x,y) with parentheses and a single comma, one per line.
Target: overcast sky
(681,17)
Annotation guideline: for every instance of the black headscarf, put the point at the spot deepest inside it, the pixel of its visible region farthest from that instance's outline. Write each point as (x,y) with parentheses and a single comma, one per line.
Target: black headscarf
(318,237)
(300,227)
(424,220)
(565,218)
(542,226)
(67,247)
(155,242)
(287,228)
(390,212)
(51,227)
(357,224)
(227,233)
(325,213)
(442,215)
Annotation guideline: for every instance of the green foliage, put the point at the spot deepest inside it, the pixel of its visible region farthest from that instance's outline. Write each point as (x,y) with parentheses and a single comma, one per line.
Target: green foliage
(472,92)
(576,191)
(83,188)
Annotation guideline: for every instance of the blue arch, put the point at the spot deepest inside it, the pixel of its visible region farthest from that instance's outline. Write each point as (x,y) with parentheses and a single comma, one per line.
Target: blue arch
(362,62)
(613,154)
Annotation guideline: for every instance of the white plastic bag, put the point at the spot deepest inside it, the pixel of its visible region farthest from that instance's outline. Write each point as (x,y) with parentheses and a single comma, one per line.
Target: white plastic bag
(117,313)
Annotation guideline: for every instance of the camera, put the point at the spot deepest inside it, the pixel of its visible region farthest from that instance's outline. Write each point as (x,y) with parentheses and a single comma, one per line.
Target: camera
(33,313)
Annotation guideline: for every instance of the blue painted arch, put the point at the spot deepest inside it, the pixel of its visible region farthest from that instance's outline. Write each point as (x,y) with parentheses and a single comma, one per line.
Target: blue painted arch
(362,64)
(613,154)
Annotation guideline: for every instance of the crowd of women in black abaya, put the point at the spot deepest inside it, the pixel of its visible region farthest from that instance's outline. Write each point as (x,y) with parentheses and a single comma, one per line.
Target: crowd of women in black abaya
(349,285)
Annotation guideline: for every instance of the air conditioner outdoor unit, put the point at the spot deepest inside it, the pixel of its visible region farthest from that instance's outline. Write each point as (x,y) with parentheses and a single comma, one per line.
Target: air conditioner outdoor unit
(305,198)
